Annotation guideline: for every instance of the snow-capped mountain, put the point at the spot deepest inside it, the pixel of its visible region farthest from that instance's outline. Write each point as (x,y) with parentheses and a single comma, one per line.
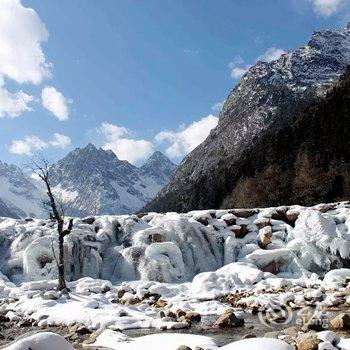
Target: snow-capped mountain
(94,181)
(19,196)
(268,96)
(88,181)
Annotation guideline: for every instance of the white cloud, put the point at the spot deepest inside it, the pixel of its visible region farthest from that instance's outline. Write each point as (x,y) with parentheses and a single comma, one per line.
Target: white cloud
(238,72)
(217,107)
(55,102)
(327,7)
(21,36)
(188,138)
(118,139)
(14,104)
(271,54)
(28,145)
(32,143)
(21,56)
(60,141)
(237,67)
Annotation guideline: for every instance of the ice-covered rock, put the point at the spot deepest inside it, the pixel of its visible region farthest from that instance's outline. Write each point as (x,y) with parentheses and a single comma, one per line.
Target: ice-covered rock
(41,341)
(174,247)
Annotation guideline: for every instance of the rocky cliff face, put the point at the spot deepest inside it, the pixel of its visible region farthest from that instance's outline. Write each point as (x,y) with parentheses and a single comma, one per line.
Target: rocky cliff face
(269,96)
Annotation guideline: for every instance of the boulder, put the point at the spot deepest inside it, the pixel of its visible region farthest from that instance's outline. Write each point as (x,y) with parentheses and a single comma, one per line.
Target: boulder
(88,220)
(341,322)
(155,238)
(239,230)
(243,213)
(228,319)
(265,237)
(229,219)
(307,341)
(193,316)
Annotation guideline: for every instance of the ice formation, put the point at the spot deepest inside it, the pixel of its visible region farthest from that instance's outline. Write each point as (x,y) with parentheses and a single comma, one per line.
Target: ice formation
(289,242)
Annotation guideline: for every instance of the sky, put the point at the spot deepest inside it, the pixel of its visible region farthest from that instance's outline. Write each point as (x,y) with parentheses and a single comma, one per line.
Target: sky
(135,76)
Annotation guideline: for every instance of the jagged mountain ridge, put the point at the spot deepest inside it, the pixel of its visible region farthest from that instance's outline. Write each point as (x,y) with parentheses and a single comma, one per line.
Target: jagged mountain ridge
(268,97)
(94,181)
(88,181)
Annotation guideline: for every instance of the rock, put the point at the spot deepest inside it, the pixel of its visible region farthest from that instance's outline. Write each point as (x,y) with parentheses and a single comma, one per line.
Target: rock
(155,238)
(161,314)
(193,316)
(243,213)
(132,301)
(88,220)
(265,237)
(341,322)
(292,216)
(229,219)
(93,336)
(169,319)
(180,313)
(121,293)
(170,314)
(261,222)
(239,230)
(4,319)
(182,319)
(293,331)
(183,347)
(204,221)
(323,208)
(161,303)
(279,214)
(51,295)
(308,341)
(105,288)
(24,323)
(228,319)
(83,330)
(248,336)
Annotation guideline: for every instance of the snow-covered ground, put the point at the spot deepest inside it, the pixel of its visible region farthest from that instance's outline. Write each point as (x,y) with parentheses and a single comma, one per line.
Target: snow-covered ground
(167,271)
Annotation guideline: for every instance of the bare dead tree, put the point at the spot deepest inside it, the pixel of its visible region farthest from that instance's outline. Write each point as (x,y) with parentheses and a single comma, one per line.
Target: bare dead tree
(57,214)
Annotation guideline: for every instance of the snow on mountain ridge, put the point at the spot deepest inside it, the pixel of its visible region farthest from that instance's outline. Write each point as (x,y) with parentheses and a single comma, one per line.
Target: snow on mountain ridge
(94,181)
(88,181)
(18,196)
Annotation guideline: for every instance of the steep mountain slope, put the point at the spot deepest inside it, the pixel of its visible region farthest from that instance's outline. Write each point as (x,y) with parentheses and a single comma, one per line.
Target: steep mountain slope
(306,162)
(94,181)
(267,98)
(19,197)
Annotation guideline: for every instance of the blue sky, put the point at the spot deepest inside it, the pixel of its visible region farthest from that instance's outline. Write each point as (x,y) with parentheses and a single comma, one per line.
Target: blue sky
(135,76)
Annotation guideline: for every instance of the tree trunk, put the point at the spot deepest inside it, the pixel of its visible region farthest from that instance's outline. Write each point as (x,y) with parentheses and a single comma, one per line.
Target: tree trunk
(61,277)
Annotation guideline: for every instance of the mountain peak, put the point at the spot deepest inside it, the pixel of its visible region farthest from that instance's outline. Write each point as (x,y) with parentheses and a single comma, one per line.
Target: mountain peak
(158,156)
(158,166)
(268,97)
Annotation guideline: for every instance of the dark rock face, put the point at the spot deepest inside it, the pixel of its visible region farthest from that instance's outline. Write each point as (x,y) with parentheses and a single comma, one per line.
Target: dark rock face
(94,181)
(268,97)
